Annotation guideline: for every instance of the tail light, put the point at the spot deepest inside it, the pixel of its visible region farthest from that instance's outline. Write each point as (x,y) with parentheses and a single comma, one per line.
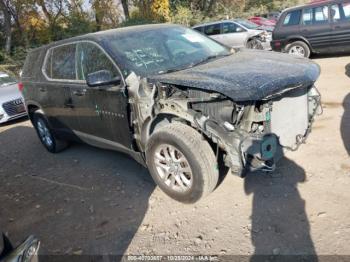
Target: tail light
(278,44)
(20,86)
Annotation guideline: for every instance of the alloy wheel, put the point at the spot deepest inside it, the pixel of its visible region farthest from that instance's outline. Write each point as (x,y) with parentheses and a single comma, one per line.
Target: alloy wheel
(297,51)
(44,133)
(173,168)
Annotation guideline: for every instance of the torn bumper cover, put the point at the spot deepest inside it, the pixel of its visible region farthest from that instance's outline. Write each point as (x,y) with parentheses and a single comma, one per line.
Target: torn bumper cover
(288,122)
(247,152)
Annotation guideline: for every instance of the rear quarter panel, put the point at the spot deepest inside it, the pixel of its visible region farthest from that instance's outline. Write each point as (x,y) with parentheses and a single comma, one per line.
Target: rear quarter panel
(32,76)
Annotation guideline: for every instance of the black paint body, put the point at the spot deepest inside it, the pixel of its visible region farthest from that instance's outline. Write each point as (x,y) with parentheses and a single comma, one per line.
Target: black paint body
(102,115)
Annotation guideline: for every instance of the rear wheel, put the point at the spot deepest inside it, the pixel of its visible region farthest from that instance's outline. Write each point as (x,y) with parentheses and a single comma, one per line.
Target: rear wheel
(181,163)
(46,136)
(298,48)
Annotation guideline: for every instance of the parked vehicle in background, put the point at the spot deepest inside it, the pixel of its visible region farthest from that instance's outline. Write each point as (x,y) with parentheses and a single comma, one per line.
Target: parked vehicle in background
(274,16)
(177,101)
(237,33)
(262,21)
(11,100)
(314,28)
(268,29)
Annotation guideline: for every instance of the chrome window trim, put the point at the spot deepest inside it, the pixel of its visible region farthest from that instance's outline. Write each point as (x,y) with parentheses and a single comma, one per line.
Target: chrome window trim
(76,46)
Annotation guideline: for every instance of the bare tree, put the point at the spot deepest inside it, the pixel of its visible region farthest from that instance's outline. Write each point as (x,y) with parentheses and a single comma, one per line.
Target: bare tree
(7,24)
(17,9)
(53,10)
(125,5)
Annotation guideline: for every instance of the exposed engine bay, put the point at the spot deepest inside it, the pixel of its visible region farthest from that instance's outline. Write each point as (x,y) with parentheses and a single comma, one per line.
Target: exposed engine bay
(252,135)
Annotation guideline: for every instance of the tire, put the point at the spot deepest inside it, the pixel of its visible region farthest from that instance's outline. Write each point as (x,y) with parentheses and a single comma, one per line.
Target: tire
(46,136)
(255,44)
(298,48)
(178,147)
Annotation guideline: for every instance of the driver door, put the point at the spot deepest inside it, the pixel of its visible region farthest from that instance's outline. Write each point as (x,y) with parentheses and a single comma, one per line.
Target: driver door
(101,110)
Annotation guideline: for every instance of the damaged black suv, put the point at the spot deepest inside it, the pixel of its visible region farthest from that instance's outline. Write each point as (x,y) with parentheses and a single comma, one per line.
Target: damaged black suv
(173,99)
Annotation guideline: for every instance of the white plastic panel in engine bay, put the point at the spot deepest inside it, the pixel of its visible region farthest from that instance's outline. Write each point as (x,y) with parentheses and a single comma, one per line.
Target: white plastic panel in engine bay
(289,117)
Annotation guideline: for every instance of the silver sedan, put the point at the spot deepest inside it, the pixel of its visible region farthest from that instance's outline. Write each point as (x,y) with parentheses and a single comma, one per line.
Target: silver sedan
(11,100)
(237,33)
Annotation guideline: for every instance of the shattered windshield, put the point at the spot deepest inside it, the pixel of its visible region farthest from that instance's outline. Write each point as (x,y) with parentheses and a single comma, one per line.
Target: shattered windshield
(6,80)
(163,50)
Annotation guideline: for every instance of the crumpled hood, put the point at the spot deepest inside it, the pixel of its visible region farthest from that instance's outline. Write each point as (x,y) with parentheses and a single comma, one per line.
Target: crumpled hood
(247,75)
(8,93)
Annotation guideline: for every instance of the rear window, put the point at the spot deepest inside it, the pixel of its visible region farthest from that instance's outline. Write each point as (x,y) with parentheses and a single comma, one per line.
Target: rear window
(212,29)
(292,18)
(60,62)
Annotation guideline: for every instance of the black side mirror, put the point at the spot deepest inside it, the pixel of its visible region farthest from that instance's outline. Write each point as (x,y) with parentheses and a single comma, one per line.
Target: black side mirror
(102,78)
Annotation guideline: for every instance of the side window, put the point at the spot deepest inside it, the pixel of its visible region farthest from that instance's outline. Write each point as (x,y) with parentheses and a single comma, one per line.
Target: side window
(292,18)
(346,10)
(212,29)
(335,13)
(60,62)
(321,15)
(228,28)
(90,59)
(307,16)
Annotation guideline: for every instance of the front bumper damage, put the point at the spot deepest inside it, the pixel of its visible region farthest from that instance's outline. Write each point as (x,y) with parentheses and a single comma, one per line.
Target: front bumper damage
(254,140)
(248,152)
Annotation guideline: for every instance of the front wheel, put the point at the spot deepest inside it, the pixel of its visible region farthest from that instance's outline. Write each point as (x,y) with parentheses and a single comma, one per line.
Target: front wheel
(181,163)
(255,44)
(298,48)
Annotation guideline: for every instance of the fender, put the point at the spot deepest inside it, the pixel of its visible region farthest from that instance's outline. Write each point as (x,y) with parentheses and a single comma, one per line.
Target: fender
(29,103)
(250,37)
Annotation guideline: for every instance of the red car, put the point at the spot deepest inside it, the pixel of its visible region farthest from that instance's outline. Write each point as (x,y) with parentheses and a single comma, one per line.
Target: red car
(262,21)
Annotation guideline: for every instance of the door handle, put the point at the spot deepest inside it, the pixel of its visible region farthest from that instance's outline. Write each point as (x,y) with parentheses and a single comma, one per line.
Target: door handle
(42,89)
(79,92)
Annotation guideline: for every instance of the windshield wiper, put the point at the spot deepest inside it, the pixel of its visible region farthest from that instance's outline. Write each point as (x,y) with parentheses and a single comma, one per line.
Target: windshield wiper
(208,59)
(173,70)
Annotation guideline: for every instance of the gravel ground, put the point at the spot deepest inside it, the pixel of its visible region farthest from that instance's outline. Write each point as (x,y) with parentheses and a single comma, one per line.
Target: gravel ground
(90,201)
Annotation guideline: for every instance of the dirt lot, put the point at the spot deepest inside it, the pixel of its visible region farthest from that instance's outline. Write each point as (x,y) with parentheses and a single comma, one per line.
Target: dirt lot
(91,201)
